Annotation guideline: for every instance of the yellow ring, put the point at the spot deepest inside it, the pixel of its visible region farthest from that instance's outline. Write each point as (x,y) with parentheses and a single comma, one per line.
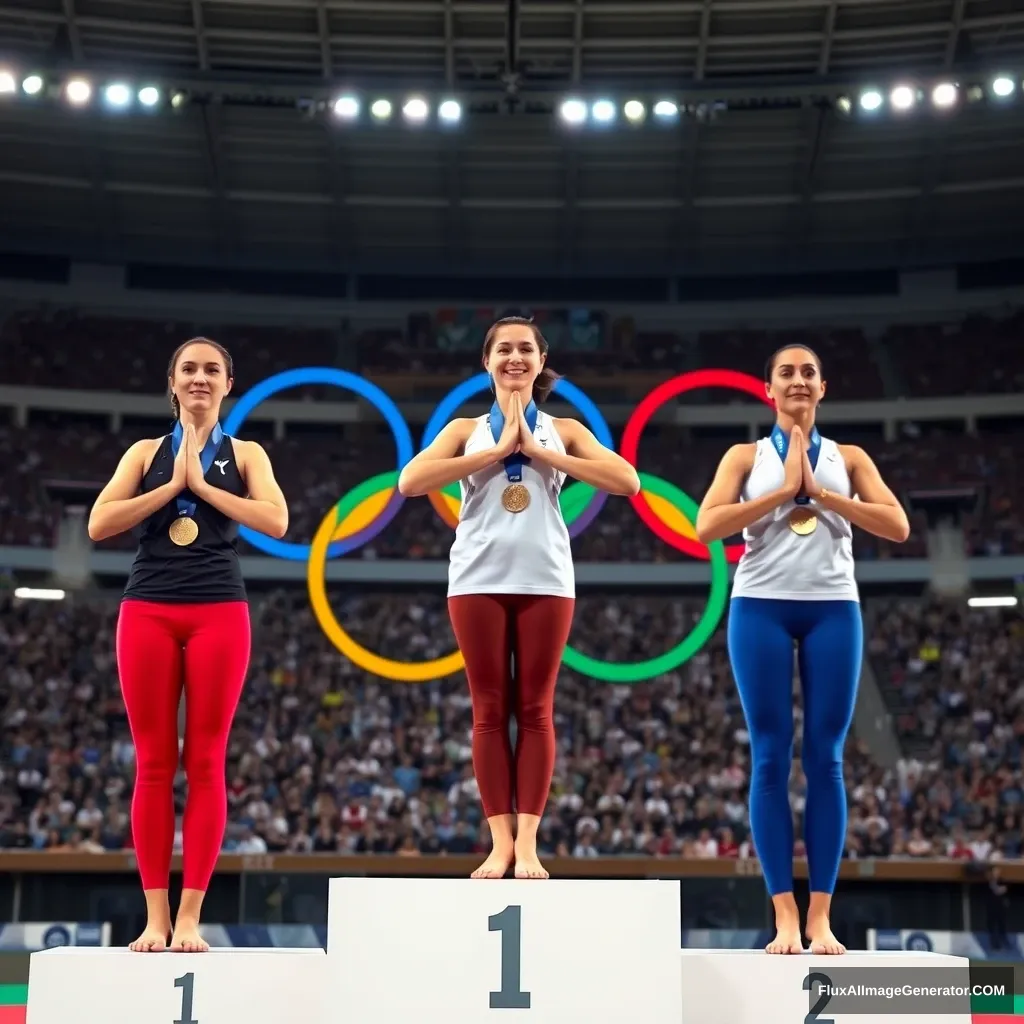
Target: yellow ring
(399,671)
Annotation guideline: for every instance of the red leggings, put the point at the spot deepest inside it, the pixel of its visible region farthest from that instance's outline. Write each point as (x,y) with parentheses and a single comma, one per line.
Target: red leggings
(491,630)
(162,648)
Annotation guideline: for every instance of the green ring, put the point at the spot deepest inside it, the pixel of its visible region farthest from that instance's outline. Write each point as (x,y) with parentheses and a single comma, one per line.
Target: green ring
(640,671)
(573,501)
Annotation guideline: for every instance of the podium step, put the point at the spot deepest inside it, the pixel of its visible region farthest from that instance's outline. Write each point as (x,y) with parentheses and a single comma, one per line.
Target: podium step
(739,986)
(456,951)
(107,985)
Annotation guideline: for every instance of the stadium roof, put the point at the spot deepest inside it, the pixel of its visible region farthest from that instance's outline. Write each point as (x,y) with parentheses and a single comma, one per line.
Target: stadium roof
(763,168)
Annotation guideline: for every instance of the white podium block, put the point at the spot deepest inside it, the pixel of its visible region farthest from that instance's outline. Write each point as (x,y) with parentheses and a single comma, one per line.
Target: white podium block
(107,985)
(462,951)
(745,986)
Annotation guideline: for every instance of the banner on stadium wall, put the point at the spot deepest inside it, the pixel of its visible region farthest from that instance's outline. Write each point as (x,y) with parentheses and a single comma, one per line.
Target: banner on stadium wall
(31,936)
(974,945)
(463,330)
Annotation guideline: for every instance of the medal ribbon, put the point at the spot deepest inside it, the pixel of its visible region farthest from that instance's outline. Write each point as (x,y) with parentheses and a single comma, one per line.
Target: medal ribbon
(513,463)
(780,442)
(186,507)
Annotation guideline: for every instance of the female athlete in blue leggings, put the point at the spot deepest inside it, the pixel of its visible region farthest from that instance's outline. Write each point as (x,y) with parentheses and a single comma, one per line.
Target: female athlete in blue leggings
(797,496)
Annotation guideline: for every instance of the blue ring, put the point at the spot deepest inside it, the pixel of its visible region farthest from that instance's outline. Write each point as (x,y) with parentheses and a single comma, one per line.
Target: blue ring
(575,396)
(339,379)
(467,389)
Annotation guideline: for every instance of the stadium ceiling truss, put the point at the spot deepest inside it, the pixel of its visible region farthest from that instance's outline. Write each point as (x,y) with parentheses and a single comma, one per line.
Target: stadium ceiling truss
(761,166)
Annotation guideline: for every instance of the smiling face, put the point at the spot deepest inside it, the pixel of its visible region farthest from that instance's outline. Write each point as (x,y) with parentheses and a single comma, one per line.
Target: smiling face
(795,383)
(200,377)
(514,358)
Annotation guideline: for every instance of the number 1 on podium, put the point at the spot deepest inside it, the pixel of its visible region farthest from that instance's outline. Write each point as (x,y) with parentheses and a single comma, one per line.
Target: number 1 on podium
(510,996)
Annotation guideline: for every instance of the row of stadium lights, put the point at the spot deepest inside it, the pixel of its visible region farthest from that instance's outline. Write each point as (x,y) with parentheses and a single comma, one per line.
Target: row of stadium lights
(904,98)
(573,111)
(79,91)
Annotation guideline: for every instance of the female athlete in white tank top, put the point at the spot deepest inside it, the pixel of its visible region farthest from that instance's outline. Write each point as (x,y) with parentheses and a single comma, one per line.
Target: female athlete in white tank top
(797,496)
(511,585)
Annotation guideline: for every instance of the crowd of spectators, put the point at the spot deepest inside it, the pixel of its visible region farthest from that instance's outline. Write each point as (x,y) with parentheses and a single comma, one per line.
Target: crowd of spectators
(317,465)
(325,758)
(56,347)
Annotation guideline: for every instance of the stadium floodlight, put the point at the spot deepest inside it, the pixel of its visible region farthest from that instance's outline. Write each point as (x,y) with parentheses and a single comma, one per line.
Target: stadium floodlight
(416,109)
(7,82)
(603,111)
(574,111)
(634,110)
(381,109)
(346,107)
(39,594)
(945,95)
(33,85)
(1003,86)
(902,97)
(78,91)
(149,95)
(117,94)
(450,111)
(870,100)
(666,109)
(844,105)
(1007,601)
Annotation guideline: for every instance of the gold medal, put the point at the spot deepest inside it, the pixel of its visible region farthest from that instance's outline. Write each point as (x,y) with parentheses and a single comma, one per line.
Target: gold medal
(515,497)
(183,531)
(803,521)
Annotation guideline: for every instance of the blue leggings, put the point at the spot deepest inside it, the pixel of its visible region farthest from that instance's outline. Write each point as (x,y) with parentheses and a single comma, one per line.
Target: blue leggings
(829,636)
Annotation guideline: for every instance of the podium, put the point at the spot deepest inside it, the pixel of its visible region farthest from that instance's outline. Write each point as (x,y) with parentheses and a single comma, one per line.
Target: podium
(107,985)
(463,951)
(741,986)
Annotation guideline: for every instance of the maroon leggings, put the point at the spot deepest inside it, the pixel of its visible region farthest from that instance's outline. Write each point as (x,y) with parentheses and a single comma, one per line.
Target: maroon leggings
(162,648)
(492,630)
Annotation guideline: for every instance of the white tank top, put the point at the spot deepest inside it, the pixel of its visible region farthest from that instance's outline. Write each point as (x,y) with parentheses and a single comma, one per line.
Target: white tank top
(781,564)
(501,552)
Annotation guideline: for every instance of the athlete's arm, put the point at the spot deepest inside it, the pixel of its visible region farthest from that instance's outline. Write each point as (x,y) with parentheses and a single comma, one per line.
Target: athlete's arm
(265,510)
(878,511)
(586,459)
(721,513)
(440,464)
(119,506)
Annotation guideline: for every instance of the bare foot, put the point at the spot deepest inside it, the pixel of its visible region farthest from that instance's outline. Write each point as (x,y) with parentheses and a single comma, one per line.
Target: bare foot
(496,864)
(528,866)
(787,938)
(186,938)
(823,942)
(152,940)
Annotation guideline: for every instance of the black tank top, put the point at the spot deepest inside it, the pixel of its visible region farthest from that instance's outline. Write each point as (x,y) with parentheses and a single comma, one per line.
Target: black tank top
(207,570)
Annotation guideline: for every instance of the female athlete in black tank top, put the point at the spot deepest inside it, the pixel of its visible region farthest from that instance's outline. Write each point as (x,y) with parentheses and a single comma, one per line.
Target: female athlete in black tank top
(184,624)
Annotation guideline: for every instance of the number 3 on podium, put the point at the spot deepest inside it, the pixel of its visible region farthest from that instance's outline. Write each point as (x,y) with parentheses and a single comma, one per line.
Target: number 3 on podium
(510,996)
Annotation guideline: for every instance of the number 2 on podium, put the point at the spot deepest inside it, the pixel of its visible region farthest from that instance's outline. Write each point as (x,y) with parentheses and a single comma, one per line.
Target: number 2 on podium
(511,995)
(187,985)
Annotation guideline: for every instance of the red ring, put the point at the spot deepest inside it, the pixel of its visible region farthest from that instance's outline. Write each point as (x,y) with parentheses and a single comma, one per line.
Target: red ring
(637,423)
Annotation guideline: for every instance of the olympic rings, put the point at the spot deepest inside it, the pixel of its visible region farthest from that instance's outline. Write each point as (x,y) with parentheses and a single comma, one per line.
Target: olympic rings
(339,379)
(334,525)
(636,423)
(367,509)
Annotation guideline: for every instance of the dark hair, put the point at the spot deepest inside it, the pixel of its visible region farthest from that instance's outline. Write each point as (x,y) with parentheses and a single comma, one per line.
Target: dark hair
(769,367)
(229,367)
(545,382)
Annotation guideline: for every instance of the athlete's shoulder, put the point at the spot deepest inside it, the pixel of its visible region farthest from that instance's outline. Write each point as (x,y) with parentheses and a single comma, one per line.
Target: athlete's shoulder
(853,455)
(144,448)
(742,454)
